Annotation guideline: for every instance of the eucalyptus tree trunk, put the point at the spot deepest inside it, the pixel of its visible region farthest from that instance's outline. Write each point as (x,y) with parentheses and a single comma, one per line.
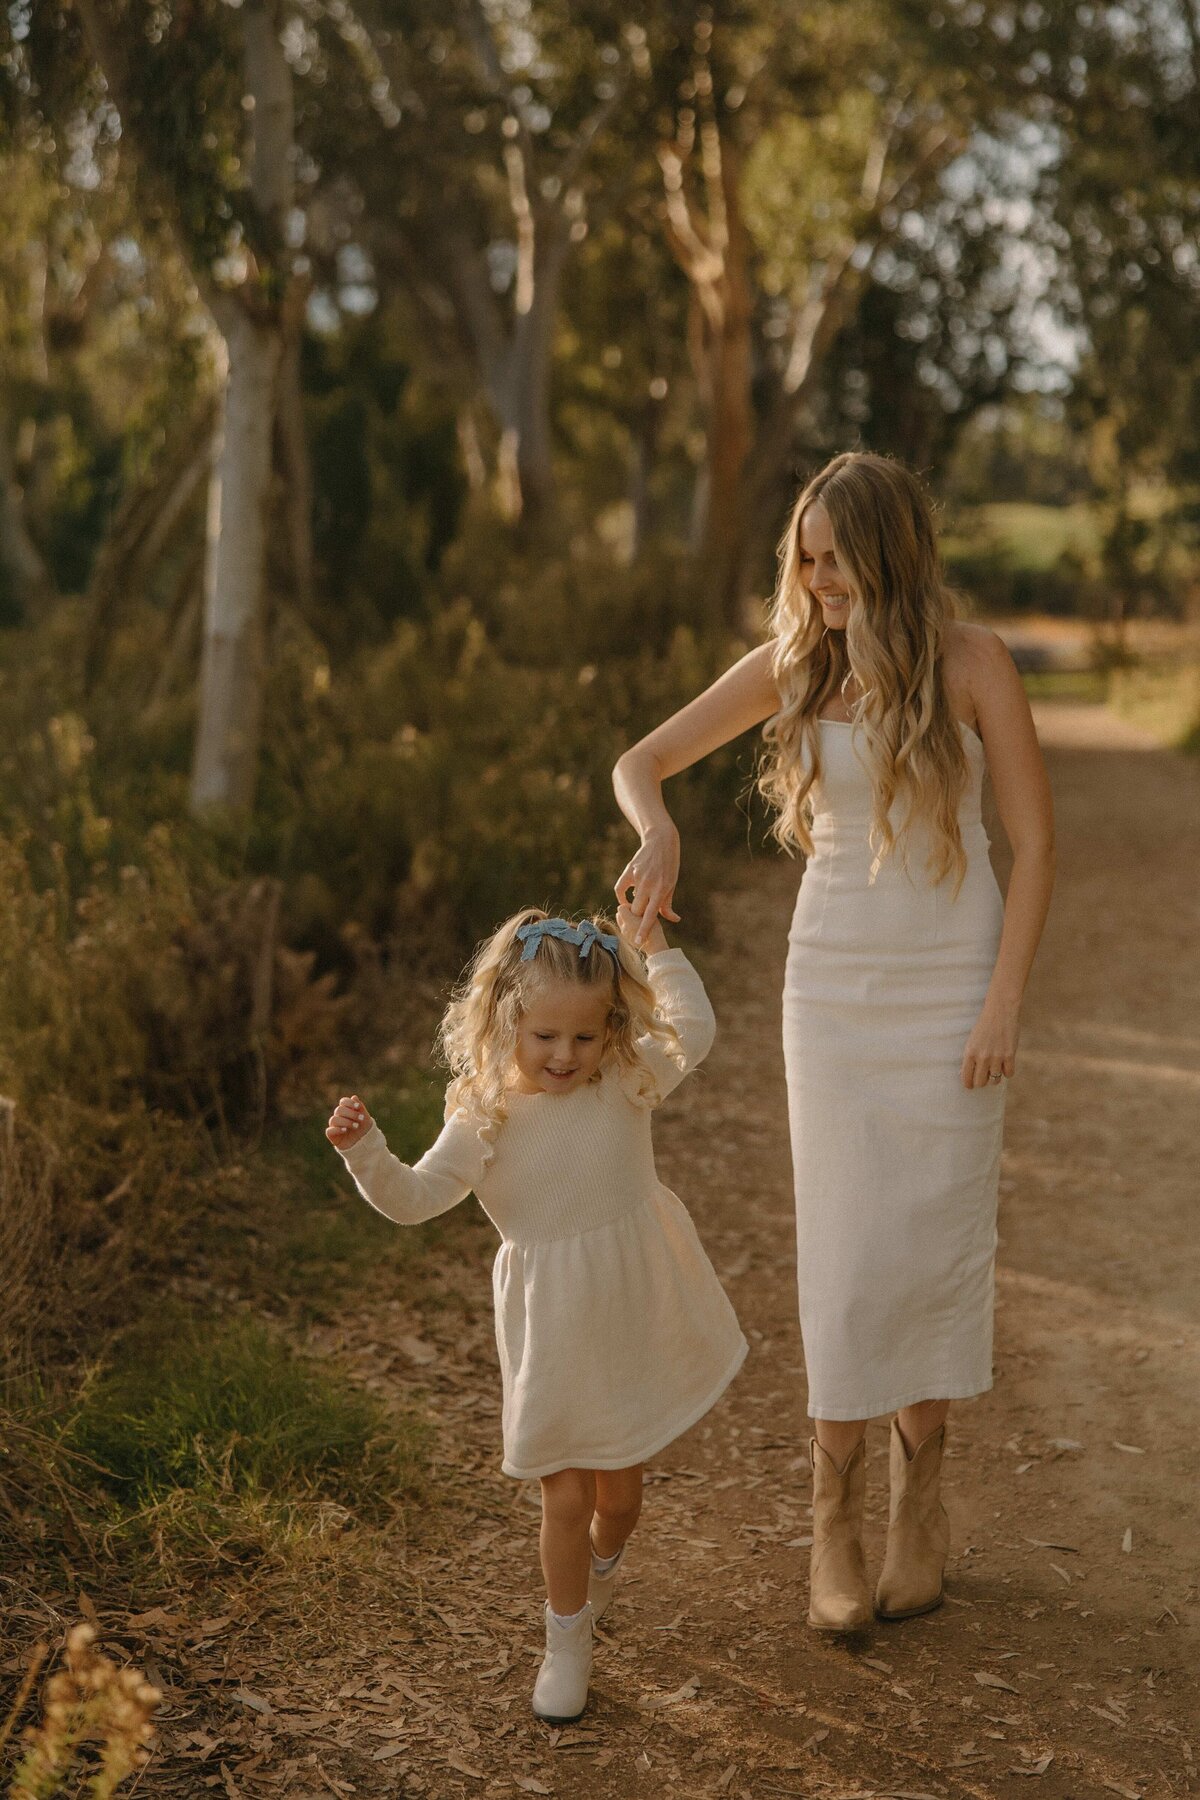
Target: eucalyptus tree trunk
(232,667)
(232,664)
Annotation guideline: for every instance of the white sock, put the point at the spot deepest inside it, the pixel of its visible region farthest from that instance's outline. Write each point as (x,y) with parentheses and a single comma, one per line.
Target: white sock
(604,1565)
(565,1620)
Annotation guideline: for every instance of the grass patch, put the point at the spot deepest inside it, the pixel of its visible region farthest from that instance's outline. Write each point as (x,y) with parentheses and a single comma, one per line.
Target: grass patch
(1066,684)
(1024,535)
(228,1412)
(1163,699)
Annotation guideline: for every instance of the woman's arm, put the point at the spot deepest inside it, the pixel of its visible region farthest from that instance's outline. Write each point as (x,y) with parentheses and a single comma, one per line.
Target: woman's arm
(744,696)
(1023,801)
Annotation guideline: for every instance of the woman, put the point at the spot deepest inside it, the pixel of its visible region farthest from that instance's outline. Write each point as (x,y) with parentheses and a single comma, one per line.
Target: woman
(905,975)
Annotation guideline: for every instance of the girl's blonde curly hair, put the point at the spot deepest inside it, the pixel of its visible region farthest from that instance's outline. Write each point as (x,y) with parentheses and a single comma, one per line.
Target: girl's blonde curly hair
(478,1034)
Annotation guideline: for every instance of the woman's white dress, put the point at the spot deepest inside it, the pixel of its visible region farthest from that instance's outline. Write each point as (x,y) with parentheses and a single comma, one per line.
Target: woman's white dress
(896,1163)
(613,1331)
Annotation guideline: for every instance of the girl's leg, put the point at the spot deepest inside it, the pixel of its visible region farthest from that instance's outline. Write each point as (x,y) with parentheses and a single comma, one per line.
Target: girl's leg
(568,1502)
(618,1504)
(916,1422)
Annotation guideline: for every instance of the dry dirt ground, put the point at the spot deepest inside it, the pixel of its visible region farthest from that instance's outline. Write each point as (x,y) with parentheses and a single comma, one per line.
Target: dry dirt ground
(1064,1664)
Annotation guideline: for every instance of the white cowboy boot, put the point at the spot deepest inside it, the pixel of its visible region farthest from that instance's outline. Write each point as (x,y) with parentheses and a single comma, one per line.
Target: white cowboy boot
(600,1587)
(561,1689)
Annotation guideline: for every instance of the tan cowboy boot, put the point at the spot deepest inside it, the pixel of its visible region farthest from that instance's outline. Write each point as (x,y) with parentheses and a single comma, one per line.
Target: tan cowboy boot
(918,1530)
(839,1599)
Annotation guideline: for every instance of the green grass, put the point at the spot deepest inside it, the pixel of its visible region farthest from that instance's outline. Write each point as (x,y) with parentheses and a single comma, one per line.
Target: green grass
(1023,535)
(1162,698)
(1066,684)
(227,1411)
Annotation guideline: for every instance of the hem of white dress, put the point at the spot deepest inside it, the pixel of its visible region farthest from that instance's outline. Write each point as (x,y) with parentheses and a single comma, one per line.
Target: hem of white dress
(882,1409)
(643,1454)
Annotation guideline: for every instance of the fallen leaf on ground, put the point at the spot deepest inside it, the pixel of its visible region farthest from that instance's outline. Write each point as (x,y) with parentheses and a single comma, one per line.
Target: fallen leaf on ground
(1047,1544)
(1114,1787)
(688,1691)
(255,1702)
(529,1784)
(1127,1540)
(1037,1768)
(464,1768)
(1129,1449)
(994,1681)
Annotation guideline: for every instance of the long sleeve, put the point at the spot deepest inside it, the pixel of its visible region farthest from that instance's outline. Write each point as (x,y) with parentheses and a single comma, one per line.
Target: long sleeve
(681,998)
(446,1173)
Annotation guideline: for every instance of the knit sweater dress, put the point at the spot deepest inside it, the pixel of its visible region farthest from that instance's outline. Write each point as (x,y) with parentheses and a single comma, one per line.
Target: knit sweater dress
(613,1331)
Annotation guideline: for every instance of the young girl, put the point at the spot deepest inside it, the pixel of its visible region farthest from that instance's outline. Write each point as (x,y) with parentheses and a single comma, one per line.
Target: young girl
(614,1333)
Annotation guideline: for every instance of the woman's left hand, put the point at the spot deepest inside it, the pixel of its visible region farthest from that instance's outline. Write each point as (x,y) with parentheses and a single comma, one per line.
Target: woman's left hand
(991,1052)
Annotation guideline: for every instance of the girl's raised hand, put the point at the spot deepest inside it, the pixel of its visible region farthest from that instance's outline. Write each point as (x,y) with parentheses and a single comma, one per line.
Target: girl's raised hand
(630,925)
(348,1122)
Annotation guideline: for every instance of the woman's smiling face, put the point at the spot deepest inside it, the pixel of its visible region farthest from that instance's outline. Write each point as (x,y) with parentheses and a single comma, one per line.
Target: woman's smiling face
(819,567)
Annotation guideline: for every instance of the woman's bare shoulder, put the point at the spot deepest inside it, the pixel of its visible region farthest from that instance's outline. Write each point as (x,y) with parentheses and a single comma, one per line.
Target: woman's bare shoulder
(977,668)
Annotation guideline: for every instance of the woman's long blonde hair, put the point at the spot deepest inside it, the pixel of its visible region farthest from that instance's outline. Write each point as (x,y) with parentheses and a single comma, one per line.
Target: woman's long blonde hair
(478,1035)
(893,644)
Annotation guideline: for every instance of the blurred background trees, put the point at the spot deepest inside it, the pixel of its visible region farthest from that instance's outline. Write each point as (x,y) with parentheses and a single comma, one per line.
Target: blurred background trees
(399,407)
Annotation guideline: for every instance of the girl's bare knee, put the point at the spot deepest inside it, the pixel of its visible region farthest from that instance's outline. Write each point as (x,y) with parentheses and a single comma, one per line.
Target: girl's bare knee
(569,1497)
(619,1499)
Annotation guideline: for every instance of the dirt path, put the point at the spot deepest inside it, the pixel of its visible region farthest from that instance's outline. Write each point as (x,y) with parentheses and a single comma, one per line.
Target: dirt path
(1064,1663)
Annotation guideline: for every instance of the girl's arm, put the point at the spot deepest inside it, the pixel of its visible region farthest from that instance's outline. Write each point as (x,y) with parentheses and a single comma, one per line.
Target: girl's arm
(446,1174)
(1023,801)
(744,696)
(680,997)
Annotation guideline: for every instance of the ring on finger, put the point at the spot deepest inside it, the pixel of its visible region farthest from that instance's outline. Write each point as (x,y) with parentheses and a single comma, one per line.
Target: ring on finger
(996,1075)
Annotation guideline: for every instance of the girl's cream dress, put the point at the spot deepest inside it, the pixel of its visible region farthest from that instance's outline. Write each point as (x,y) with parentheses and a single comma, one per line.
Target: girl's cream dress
(613,1331)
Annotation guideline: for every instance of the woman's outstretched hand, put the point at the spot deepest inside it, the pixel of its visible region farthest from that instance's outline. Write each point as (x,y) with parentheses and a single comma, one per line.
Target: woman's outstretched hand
(646,886)
(348,1121)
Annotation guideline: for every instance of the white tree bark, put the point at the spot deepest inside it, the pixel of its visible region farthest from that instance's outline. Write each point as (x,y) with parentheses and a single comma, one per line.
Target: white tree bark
(232,667)
(232,661)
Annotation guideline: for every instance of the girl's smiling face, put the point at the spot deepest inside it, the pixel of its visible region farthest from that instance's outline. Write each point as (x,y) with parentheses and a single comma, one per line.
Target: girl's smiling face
(561,1037)
(819,568)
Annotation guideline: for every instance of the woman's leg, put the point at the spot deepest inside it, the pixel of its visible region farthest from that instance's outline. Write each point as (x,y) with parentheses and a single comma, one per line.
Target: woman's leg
(917,1422)
(568,1502)
(839,1438)
(618,1505)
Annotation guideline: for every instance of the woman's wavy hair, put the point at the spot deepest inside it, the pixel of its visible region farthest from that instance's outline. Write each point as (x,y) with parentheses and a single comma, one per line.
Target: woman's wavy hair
(478,1035)
(893,644)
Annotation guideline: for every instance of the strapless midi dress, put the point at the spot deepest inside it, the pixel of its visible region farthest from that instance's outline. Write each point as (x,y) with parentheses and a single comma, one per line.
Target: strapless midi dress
(896,1164)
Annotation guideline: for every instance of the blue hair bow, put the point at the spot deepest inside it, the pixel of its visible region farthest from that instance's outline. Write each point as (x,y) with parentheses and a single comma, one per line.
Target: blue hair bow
(584,934)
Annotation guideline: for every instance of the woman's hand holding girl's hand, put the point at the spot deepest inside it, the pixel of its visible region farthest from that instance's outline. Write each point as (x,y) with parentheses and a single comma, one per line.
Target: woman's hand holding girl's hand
(629,925)
(348,1121)
(651,873)
(991,1050)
